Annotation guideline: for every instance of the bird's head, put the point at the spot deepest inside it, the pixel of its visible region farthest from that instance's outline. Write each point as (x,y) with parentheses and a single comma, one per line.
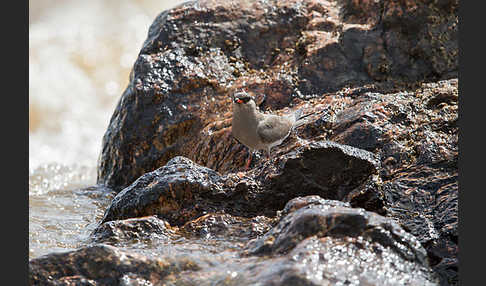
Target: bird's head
(243,100)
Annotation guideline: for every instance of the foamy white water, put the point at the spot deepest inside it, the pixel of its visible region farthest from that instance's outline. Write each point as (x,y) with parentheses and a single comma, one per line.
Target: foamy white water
(80,56)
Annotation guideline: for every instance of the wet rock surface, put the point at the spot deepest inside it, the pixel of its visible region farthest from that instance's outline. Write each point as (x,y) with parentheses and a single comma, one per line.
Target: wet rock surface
(102,265)
(182,190)
(330,220)
(312,241)
(364,193)
(178,192)
(135,230)
(285,52)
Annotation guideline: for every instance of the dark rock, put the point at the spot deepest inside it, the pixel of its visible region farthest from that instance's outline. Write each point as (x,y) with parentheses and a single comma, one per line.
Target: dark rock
(345,261)
(341,244)
(301,202)
(326,169)
(182,190)
(316,242)
(425,201)
(102,265)
(334,220)
(374,75)
(226,226)
(176,192)
(369,196)
(417,144)
(133,230)
(196,54)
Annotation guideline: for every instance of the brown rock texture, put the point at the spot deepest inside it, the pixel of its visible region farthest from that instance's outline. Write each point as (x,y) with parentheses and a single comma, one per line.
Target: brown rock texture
(102,265)
(182,190)
(372,175)
(178,98)
(312,242)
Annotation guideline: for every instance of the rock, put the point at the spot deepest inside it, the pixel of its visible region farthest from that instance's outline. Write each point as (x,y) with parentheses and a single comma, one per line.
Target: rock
(182,190)
(316,242)
(102,265)
(300,202)
(343,261)
(406,128)
(196,54)
(177,192)
(326,169)
(134,230)
(330,219)
(333,238)
(379,79)
(425,200)
(216,225)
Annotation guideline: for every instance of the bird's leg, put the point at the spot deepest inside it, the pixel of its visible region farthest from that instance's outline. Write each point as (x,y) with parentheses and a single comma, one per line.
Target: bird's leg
(268,153)
(248,161)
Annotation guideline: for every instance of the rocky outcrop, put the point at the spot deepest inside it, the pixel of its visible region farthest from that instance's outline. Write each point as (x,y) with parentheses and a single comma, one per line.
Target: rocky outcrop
(182,190)
(313,242)
(285,52)
(365,192)
(334,239)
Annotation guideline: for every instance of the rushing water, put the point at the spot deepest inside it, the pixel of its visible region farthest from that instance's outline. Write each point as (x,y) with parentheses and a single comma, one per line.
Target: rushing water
(80,56)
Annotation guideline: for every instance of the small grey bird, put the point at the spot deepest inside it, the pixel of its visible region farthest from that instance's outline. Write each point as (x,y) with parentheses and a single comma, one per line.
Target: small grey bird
(259,131)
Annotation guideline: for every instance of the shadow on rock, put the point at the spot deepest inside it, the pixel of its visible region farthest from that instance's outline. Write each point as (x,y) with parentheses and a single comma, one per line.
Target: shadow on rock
(182,190)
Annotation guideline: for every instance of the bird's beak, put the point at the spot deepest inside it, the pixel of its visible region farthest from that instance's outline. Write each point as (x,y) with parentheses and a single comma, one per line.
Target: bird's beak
(238,100)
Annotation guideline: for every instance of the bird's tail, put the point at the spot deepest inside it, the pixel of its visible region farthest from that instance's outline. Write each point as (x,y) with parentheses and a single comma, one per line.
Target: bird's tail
(300,119)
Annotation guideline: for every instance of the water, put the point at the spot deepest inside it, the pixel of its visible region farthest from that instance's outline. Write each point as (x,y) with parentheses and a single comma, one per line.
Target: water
(80,56)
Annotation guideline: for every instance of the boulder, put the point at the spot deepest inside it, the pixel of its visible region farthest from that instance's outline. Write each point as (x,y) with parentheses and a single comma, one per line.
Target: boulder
(312,241)
(102,265)
(134,230)
(379,82)
(177,101)
(178,192)
(182,191)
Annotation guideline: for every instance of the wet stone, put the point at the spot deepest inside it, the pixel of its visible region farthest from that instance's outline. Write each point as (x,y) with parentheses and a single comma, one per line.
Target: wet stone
(217,225)
(326,169)
(333,220)
(182,190)
(353,261)
(380,82)
(133,230)
(425,201)
(196,54)
(301,202)
(95,264)
(175,192)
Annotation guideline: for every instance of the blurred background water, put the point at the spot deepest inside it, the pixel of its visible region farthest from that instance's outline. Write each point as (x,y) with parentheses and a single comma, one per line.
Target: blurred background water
(80,56)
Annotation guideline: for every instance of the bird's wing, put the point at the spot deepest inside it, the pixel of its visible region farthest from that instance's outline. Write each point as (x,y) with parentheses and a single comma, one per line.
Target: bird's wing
(273,128)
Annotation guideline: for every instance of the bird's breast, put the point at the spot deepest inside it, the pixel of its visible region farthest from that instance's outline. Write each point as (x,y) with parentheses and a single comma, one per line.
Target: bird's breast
(244,129)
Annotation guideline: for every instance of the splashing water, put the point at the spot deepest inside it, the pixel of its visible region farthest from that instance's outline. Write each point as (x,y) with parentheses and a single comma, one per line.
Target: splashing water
(80,56)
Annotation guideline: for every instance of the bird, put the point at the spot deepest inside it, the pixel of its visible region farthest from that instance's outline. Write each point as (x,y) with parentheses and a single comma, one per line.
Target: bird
(257,130)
